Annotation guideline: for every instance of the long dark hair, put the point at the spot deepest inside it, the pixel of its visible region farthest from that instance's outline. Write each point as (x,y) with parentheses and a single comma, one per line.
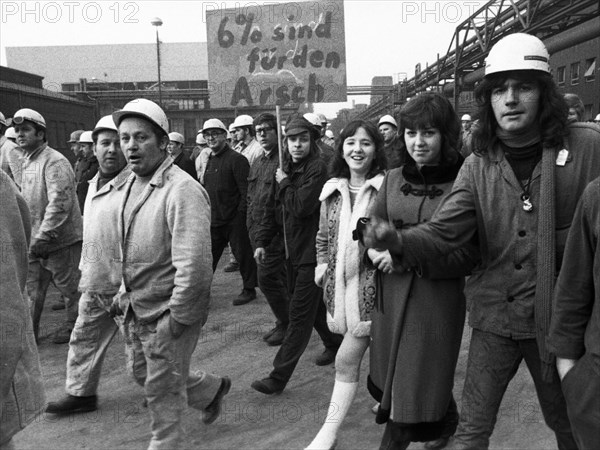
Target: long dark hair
(314,152)
(431,109)
(339,168)
(552,111)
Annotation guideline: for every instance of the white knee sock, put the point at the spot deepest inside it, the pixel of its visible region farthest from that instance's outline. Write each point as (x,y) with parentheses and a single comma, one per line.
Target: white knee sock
(341,399)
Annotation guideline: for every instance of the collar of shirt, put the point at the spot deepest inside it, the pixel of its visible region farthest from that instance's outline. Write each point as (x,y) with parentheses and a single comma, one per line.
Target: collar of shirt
(36,152)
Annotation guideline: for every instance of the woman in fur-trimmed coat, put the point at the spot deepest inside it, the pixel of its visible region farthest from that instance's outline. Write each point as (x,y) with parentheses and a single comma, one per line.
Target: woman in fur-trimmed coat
(348,285)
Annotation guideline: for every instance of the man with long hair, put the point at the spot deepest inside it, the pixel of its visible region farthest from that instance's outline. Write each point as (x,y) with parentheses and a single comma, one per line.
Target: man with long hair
(517,194)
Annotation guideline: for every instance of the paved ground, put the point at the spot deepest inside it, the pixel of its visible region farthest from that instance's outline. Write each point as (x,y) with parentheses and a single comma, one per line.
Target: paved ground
(231,345)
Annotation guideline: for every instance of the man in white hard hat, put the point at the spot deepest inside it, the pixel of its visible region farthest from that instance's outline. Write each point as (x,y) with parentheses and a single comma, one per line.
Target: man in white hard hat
(326,151)
(87,167)
(48,186)
(464,144)
(180,159)
(517,195)
(325,138)
(74,147)
(271,271)
(243,132)
(100,274)
(395,151)
(10,152)
(226,181)
(166,275)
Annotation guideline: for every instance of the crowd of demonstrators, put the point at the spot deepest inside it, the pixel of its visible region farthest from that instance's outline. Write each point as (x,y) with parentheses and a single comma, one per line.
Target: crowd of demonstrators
(48,186)
(225,178)
(517,194)
(395,282)
(419,316)
(348,284)
(294,205)
(271,268)
(86,167)
(395,152)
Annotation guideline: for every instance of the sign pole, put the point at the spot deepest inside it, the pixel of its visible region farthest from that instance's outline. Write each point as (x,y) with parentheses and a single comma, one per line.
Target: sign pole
(280,149)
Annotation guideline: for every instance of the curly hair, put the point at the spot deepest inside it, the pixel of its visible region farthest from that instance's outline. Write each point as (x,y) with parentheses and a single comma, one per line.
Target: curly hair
(552,111)
(287,163)
(431,109)
(339,167)
(573,101)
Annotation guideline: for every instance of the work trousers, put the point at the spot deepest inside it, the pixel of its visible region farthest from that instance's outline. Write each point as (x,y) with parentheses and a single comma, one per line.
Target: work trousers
(581,387)
(272,280)
(307,310)
(493,361)
(62,268)
(161,363)
(93,332)
(236,235)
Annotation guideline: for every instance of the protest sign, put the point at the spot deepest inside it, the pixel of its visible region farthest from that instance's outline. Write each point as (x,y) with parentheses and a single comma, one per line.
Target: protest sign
(276,54)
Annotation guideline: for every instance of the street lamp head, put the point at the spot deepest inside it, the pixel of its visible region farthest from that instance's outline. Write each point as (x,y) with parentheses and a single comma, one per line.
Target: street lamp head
(157,22)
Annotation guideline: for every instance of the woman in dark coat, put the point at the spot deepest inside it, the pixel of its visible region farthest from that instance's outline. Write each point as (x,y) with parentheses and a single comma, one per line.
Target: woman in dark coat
(418,322)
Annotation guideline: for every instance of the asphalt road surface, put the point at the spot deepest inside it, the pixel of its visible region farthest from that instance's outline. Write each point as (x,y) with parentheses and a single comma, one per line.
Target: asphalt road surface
(231,345)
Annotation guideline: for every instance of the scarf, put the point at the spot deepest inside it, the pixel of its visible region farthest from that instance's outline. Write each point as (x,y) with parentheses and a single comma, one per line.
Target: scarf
(525,138)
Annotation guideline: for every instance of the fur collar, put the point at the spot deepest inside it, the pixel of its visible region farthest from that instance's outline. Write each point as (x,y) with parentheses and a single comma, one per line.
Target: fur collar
(341,185)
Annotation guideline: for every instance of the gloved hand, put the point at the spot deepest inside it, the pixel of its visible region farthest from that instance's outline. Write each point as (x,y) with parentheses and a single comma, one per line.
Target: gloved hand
(40,248)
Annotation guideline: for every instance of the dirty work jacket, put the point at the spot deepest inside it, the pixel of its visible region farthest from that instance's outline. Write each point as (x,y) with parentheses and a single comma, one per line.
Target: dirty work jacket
(48,186)
(165,244)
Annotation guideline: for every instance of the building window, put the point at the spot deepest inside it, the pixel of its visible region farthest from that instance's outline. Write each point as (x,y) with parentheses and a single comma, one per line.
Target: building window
(590,69)
(560,76)
(575,73)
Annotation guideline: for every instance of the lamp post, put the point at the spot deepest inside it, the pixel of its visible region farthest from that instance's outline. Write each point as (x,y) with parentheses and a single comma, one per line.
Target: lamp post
(157,22)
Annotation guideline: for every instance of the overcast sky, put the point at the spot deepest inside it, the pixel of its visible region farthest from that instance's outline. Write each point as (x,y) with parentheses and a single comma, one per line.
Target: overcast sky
(387,37)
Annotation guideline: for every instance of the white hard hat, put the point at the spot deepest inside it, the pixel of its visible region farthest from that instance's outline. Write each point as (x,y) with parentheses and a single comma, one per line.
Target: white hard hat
(147,109)
(3,119)
(211,124)
(29,114)
(200,139)
(105,123)
(597,119)
(86,138)
(313,118)
(465,117)
(231,128)
(243,121)
(329,134)
(177,137)
(518,51)
(322,118)
(10,133)
(388,119)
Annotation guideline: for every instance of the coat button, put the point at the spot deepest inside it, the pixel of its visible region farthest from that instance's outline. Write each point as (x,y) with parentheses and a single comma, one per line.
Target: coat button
(518,266)
(511,299)
(127,289)
(522,233)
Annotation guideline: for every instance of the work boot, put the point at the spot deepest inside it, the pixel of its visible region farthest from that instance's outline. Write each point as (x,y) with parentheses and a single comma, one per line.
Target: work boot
(62,335)
(326,358)
(277,336)
(71,404)
(212,411)
(232,266)
(268,386)
(246,296)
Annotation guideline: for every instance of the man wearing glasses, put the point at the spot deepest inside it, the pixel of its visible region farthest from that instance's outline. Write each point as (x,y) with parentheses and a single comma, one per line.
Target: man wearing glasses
(271,272)
(226,181)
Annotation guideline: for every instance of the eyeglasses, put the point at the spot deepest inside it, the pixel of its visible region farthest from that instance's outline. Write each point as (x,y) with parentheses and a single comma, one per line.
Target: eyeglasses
(212,134)
(263,130)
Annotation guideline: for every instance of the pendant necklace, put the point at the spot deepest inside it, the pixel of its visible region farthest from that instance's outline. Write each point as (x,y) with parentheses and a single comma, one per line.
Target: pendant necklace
(526,195)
